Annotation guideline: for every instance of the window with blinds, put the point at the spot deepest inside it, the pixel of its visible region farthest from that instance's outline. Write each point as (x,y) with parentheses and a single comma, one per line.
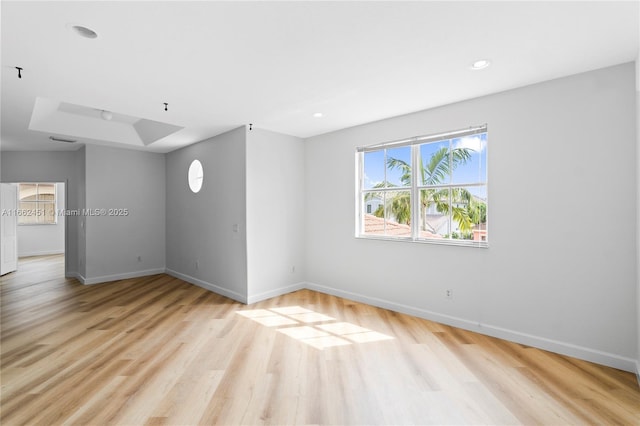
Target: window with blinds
(428,188)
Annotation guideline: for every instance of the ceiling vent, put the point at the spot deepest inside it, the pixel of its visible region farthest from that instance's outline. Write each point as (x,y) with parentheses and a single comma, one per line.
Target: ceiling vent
(55,139)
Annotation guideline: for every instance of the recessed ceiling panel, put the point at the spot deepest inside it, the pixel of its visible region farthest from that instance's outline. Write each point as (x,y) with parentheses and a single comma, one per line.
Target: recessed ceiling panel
(90,123)
(150,131)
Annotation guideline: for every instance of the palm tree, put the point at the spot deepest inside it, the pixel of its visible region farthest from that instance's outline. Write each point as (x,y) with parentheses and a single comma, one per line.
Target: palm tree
(464,208)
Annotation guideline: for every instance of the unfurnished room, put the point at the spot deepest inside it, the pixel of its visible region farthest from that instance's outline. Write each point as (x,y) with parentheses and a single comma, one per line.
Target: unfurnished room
(320,212)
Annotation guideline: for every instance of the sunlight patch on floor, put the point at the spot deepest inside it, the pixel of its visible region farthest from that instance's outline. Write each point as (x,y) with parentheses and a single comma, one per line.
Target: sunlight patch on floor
(320,336)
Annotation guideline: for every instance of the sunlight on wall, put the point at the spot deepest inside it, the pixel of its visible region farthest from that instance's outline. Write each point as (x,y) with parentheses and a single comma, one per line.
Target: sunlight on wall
(329,333)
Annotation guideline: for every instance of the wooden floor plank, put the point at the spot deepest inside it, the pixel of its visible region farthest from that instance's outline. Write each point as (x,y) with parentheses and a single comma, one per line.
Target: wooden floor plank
(159,351)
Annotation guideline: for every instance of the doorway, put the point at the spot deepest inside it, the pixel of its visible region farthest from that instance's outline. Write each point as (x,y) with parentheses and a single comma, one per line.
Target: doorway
(38,220)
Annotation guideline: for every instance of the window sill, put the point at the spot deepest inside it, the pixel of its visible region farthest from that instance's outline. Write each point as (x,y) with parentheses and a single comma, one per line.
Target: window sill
(443,242)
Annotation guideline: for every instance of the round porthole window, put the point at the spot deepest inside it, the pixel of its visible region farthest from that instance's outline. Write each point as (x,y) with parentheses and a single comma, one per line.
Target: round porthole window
(195,176)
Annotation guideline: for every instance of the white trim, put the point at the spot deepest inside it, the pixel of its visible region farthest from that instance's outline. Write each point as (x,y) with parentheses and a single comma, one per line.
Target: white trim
(76,275)
(208,286)
(564,348)
(254,298)
(442,242)
(124,276)
(416,140)
(569,349)
(41,253)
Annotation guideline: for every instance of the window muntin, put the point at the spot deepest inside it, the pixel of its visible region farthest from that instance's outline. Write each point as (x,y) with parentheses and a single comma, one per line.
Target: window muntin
(441,180)
(37,204)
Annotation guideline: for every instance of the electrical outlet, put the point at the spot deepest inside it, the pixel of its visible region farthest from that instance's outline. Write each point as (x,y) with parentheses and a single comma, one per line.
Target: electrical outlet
(293,269)
(139,258)
(197,265)
(449,294)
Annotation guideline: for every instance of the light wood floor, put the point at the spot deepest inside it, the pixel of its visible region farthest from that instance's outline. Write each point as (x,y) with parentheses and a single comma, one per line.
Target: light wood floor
(157,350)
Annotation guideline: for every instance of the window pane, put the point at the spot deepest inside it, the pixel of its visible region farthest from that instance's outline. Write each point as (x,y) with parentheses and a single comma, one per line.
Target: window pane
(28,192)
(373,169)
(394,220)
(28,213)
(434,213)
(46,192)
(477,210)
(48,213)
(399,166)
(469,159)
(458,213)
(373,202)
(398,214)
(373,223)
(435,163)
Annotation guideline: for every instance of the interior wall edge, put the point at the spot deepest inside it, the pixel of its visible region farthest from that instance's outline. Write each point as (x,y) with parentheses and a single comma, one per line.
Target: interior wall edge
(208,286)
(255,298)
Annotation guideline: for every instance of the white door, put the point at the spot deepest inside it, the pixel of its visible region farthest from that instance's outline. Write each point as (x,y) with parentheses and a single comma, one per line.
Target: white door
(8,228)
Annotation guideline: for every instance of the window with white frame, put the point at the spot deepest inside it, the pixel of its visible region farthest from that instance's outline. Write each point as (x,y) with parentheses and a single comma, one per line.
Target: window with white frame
(37,204)
(427,188)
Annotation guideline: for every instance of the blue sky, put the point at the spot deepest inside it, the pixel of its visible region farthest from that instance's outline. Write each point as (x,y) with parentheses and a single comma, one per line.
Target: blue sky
(473,171)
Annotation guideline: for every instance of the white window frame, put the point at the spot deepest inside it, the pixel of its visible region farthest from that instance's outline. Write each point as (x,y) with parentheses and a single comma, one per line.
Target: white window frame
(38,202)
(415,143)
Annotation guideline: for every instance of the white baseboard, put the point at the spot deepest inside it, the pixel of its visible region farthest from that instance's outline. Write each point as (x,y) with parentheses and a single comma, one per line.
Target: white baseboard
(587,354)
(254,298)
(209,286)
(563,348)
(76,275)
(40,253)
(116,277)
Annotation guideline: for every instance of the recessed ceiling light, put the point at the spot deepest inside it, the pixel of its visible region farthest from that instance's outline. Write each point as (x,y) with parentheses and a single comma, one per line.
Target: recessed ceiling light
(318,114)
(82,31)
(480,64)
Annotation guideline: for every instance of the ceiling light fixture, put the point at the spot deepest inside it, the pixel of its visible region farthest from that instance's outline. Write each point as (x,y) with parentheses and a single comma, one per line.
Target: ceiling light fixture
(106,115)
(318,114)
(55,139)
(19,72)
(480,64)
(83,31)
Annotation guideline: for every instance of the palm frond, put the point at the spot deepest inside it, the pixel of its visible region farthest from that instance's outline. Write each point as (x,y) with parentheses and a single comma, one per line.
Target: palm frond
(403,166)
(437,168)
(436,171)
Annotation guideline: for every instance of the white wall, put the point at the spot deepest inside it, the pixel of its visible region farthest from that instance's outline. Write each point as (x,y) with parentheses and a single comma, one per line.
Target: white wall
(560,270)
(132,180)
(638,212)
(200,227)
(42,166)
(37,240)
(81,235)
(275,214)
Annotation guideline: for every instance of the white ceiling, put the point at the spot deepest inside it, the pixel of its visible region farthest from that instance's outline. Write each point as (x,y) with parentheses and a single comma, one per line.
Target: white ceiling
(220,65)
